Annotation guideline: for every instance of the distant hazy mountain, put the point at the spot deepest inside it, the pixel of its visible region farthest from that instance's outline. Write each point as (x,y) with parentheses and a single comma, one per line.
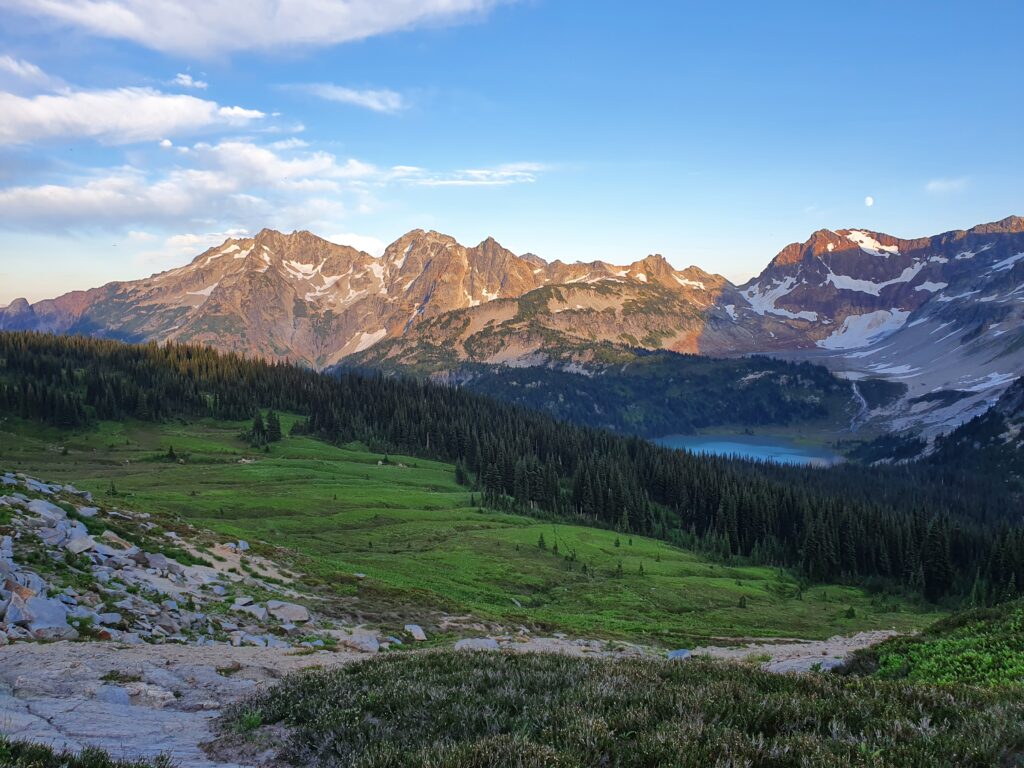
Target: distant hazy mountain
(941,315)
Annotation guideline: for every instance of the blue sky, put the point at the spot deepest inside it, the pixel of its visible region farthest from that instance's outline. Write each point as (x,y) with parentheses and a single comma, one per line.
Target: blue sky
(135,134)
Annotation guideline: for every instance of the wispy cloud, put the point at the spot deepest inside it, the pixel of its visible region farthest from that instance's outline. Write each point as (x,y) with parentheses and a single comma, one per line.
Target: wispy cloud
(214,27)
(378,100)
(501,175)
(186,81)
(119,116)
(27,73)
(947,186)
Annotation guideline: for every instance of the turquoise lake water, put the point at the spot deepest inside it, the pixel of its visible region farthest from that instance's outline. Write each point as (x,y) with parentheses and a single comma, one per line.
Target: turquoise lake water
(777,449)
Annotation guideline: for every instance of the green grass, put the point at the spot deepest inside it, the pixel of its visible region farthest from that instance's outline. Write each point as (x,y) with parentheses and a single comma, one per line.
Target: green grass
(24,754)
(503,709)
(413,532)
(981,647)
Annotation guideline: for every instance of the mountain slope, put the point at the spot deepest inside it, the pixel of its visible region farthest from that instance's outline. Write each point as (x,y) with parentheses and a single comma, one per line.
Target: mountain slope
(939,315)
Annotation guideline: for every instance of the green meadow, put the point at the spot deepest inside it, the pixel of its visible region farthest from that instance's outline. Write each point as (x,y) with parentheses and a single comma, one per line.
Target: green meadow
(425,546)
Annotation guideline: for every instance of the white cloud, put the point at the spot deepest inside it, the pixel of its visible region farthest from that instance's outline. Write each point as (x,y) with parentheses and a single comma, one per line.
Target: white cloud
(502,175)
(869,201)
(946,186)
(214,27)
(231,183)
(376,100)
(186,81)
(371,245)
(18,72)
(177,249)
(119,116)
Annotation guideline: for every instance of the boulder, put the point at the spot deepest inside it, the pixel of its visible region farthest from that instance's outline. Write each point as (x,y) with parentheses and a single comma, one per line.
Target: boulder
(79,544)
(416,631)
(289,612)
(360,641)
(680,654)
(157,561)
(114,540)
(243,600)
(477,644)
(44,509)
(45,619)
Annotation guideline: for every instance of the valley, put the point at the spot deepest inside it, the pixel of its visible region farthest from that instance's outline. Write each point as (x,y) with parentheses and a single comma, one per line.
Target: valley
(427,553)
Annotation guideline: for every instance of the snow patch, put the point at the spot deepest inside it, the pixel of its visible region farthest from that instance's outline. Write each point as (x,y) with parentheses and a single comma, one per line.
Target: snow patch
(845,282)
(1007,263)
(205,291)
(862,330)
(762,301)
(730,310)
(367,340)
(928,285)
(689,283)
(868,244)
(990,381)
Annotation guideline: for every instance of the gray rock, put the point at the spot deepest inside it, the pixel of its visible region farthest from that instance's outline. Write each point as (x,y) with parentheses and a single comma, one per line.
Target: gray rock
(680,654)
(243,600)
(47,511)
(113,694)
(109,618)
(45,619)
(361,641)
(416,631)
(79,544)
(477,644)
(290,612)
(243,546)
(88,511)
(156,560)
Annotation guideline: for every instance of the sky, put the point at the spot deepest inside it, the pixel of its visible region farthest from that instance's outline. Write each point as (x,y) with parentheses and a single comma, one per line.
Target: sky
(135,134)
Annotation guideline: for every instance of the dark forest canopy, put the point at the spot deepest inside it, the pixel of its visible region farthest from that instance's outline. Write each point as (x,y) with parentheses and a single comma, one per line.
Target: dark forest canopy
(942,533)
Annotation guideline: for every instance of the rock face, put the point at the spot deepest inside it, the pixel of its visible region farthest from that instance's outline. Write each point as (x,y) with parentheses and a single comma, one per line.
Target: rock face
(302,298)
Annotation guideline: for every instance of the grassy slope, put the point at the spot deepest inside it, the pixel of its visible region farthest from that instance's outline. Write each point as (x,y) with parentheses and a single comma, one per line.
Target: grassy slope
(412,531)
(505,710)
(980,647)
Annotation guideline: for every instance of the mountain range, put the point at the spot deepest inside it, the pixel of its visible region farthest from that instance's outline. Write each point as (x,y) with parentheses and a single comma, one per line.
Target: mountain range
(940,316)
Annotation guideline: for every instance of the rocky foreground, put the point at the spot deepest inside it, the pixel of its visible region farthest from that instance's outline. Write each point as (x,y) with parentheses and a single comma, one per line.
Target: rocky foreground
(118,634)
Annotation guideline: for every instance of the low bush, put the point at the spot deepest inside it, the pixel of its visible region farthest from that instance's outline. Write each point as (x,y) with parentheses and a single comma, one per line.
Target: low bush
(503,709)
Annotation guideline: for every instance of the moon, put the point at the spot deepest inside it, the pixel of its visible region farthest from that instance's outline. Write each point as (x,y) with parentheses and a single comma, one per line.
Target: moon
(869,201)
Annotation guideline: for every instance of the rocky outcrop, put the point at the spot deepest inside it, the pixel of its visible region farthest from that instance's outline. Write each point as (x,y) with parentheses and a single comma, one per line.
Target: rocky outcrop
(65,574)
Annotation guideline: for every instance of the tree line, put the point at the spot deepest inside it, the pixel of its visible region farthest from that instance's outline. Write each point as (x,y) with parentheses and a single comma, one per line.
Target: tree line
(910,527)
